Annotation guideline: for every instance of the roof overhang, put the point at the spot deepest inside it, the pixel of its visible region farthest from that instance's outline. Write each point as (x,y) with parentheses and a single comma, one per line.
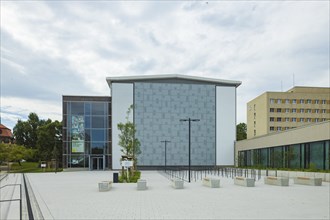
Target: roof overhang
(146,78)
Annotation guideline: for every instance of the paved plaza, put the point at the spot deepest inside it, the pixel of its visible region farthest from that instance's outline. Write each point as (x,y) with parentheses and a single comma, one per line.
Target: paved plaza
(75,195)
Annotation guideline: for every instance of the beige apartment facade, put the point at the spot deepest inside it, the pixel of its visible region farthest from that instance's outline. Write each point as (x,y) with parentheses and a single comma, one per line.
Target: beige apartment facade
(279,111)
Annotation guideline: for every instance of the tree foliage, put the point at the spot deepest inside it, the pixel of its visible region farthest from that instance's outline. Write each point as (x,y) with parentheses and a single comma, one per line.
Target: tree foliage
(127,140)
(15,153)
(49,142)
(25,132)
(241,131)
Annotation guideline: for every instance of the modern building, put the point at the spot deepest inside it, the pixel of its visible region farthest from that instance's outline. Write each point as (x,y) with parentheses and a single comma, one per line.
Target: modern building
(160,102)
(6,136)
(278,111)
(304,147)
(87,132)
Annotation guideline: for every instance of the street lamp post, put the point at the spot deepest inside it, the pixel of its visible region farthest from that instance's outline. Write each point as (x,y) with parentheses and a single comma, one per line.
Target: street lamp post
(165,141)
(189,153)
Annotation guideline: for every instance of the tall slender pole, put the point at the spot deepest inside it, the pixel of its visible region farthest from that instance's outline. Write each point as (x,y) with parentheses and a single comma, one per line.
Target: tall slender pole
(189,148)
(189,144)
(165,141)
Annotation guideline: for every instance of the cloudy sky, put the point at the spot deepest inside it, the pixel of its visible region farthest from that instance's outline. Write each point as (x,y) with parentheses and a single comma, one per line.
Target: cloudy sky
(55,48)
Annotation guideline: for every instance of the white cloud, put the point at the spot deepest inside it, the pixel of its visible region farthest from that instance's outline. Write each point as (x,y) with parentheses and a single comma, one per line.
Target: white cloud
(71,47)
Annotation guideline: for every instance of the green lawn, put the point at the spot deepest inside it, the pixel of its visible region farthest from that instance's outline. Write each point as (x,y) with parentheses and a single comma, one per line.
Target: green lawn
(30,167)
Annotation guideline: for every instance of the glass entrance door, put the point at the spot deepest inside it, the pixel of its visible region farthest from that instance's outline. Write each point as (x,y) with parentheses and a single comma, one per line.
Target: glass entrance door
(97,163)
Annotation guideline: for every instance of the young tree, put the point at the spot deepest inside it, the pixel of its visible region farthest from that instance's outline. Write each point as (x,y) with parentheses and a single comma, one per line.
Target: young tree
(241,131)
(127,140)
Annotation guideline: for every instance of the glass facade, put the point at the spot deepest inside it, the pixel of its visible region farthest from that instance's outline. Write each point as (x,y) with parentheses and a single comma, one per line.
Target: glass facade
(86,132)
(157,113)
(297,156)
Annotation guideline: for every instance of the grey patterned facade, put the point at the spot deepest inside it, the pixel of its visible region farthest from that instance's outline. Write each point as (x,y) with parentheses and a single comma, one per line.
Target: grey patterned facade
(158,108)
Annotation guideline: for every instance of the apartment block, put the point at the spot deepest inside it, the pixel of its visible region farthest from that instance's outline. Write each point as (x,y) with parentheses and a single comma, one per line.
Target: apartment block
(279,111)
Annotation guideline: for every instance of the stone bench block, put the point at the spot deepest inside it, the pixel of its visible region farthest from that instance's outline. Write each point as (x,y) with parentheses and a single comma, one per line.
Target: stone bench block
(177,183)
(211,182)
(141,184)
(277,181)
(105,186)
(311,181)
(242,181)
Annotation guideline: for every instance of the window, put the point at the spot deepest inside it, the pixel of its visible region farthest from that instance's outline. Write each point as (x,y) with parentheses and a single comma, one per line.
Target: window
(301,120)
(255,132)
(294,101)
(271,119)
(254,123)
(279,128)
(279,119)
(317,111)
(286,128)
(287,101)
(309,110)
(309,101)
(271,128)
(287,110)
(323,101)
(316,120)
(279,101)
(254,107)
(309,120)
(294,119)
(324,111)
(278,110)
(254,115)
(317,101)
(324,119)
(302,110)
(294,110)
(271,110)
(287,120)
(301,101)
(272,101)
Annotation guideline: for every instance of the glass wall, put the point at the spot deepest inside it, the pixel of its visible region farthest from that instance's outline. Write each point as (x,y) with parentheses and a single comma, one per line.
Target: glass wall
(86,132)
(314,155)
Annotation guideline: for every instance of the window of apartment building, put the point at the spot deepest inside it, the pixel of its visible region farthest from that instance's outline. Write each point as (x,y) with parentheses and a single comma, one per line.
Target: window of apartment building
(254,115)
(317,111)
(324,119)
(287,128)
(279,101)
(294,110)
(317,101)
(323,101)
(254,123)
(278,110)
(271,128)
(272,101)
(279,119)
(294,119)
(271,110)
(301,101)
(254,132)
(279,128)
(316,120)
(309,120)
(324,110)
(309,110)
(302,110)
(301,119)
(287,101)
(287,119)
(287,110)
(254,107)
(271,119)
(294,101)
(309,101)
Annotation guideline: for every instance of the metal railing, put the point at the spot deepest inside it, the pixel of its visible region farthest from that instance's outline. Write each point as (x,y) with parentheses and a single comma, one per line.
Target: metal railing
(20,198)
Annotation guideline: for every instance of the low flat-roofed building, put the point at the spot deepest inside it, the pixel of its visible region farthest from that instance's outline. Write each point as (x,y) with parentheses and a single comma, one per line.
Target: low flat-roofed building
(295,148)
